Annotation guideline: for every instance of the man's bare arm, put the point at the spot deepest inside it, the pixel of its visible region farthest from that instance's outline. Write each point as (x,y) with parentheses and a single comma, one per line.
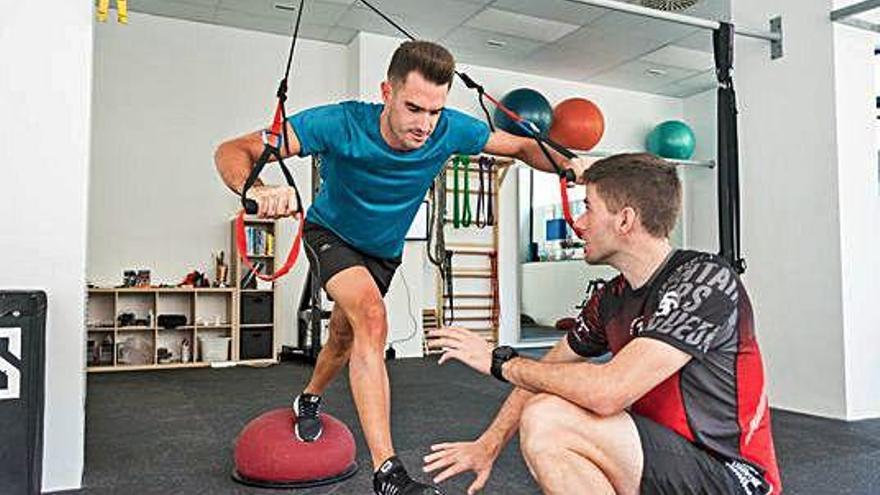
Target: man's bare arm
(607,388)
(502,143)
(235,159)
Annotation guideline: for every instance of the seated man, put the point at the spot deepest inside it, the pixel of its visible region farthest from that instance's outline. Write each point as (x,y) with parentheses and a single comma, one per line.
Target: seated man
(680,408)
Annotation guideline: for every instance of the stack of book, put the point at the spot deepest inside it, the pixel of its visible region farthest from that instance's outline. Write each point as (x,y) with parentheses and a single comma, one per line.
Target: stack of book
(260,242)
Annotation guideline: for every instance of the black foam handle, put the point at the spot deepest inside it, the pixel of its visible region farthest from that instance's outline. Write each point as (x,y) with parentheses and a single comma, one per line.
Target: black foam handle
(560,148)
(250,206)
(468,81)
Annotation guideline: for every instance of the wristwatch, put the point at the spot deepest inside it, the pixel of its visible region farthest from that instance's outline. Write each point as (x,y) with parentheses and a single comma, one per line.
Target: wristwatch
(501,355)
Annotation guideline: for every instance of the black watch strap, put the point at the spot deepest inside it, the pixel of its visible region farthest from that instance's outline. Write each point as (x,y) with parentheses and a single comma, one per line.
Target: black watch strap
(500,356)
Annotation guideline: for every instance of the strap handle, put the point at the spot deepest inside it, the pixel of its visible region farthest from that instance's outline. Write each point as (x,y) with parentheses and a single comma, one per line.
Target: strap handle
(249,206)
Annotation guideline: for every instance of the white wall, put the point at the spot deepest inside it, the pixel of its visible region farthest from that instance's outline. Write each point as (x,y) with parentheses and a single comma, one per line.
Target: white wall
(790,203)
(859,193)
(167,92)
(45,93)
(700,184)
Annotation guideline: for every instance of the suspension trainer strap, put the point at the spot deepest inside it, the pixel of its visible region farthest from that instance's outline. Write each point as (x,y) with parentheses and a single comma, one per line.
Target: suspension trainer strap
(728,150)
(241,231)
(481,92)
(272,141)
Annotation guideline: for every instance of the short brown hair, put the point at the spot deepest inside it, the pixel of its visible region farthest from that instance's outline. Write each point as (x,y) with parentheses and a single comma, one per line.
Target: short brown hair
(431,60)
(642,181)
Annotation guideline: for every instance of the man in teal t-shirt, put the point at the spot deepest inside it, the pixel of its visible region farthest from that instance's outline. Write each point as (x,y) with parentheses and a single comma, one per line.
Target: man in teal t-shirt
(377,163)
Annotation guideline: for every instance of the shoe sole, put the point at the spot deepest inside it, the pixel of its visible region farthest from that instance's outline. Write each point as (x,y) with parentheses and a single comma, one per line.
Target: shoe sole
(296,425)
(300,438)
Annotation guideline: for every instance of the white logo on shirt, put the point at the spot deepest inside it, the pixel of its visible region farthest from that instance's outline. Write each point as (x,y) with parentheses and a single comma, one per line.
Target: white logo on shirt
(668,304)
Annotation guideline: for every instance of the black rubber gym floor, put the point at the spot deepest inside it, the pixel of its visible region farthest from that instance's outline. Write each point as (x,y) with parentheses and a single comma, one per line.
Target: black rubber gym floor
(163,432)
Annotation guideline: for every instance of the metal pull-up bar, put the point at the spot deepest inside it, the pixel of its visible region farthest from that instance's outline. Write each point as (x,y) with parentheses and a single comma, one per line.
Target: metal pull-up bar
(774,36)
(846,15)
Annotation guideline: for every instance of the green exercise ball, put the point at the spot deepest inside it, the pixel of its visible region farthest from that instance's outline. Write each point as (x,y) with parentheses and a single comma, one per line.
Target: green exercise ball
(672,139)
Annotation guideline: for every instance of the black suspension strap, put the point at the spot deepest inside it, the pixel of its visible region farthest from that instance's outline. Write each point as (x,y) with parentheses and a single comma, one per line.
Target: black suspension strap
(481,93)
(272,139)
(728,150)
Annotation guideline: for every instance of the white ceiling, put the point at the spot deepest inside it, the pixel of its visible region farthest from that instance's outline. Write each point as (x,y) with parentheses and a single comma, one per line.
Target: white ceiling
(553,38)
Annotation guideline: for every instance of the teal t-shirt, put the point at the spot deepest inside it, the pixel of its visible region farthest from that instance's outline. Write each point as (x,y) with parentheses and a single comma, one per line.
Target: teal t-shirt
(370,192)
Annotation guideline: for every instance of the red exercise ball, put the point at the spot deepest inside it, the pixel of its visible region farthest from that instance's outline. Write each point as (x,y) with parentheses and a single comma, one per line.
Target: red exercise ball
(577,123)
(267,453)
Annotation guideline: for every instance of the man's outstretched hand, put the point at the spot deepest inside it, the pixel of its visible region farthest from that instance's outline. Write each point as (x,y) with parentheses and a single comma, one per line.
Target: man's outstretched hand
(463,345)
(455,458)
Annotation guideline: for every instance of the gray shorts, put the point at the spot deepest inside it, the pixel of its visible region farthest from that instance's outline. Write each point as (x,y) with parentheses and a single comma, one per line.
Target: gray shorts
(675,466)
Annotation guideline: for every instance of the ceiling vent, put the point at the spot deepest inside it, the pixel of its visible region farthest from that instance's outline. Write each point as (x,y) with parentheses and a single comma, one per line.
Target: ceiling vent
(669,5)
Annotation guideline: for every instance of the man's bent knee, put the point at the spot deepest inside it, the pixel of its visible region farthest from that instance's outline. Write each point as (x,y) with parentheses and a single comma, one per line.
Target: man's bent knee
(370,320)
(544,409)
(541,422)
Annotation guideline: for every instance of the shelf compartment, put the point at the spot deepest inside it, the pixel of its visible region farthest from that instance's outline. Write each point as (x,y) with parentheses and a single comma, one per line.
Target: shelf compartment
(179,342)
(213,309)
(136,348)
(176,303)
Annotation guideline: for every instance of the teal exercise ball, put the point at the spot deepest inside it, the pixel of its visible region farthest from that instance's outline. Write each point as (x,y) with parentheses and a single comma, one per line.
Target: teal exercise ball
(528,104)
(672,139)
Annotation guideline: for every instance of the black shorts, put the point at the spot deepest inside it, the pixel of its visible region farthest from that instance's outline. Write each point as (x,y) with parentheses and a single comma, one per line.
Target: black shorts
(673,465)
(329,255)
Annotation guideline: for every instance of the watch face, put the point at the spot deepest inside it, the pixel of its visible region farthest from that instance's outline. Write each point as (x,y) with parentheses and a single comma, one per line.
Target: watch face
(504,352)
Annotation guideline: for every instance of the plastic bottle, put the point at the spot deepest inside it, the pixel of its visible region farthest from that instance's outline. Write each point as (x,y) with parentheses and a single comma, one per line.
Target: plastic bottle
(185,351)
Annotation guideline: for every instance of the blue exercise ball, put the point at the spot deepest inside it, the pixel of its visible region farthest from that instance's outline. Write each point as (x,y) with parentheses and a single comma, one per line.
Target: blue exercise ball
(528,104)
(672,139)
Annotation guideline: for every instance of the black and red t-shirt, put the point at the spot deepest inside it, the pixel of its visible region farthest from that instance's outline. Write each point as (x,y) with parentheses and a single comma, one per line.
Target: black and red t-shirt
(696,303)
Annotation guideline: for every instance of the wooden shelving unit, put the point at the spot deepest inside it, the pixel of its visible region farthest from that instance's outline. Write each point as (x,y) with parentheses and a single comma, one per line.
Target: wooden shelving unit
(117,344)
(257,340)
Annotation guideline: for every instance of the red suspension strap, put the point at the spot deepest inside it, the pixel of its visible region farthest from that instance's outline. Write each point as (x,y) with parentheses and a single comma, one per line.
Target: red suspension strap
(272,140)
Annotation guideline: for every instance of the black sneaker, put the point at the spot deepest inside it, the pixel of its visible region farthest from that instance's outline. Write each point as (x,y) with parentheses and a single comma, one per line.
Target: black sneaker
(307,410)
(392,479)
